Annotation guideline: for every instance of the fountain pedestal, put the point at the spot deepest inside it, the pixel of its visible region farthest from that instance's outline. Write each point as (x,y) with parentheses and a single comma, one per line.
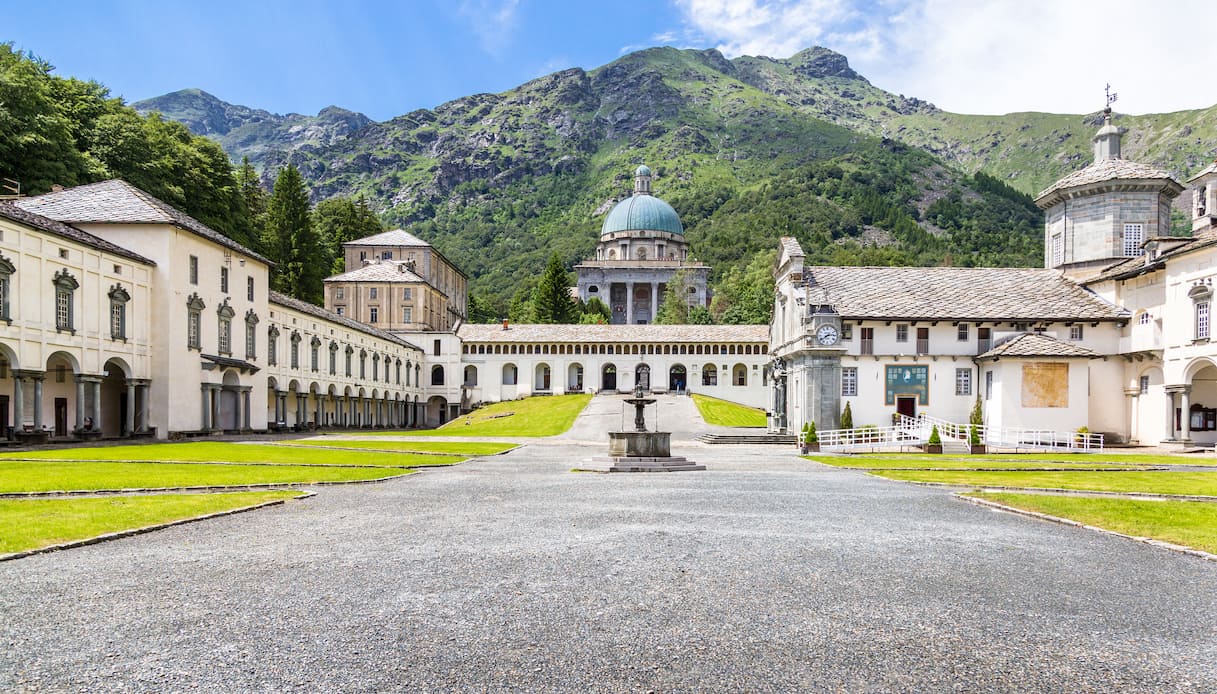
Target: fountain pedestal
(640,450)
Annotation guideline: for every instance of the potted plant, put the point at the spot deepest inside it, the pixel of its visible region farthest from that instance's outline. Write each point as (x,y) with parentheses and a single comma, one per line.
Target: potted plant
(1082,435)
(847,418)
(975,421)
(934,444)
(809,442)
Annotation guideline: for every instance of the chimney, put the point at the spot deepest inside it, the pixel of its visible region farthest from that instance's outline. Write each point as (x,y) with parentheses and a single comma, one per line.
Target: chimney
(505,325)
(56,188)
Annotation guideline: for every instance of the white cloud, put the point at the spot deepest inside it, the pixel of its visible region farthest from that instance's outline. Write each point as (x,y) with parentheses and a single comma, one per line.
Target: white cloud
(991,57)
(492,21)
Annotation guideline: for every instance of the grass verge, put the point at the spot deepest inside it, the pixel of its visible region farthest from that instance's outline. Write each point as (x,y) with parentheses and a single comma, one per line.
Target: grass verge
(452,447)
(1189,523)
(1071,458)
(27,524)
(222,452)
(1177,483)
(728,414)
(535,416)
(971,462)
(22,476)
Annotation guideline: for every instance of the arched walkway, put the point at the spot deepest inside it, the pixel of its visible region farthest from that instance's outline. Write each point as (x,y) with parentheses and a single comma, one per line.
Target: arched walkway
(608,377)
(677,378)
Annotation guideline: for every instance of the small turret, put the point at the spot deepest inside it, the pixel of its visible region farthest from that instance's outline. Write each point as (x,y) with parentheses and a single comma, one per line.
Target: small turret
(642,180)
(1107,140)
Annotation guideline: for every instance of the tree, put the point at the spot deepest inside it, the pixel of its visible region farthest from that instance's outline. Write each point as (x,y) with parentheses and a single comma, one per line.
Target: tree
(291,241)
(746,296)
(36,143)
(675,307)
(847,417)
(254,198)
(552,302)
(520,310)
(595,312)
(339,220)
(481,310)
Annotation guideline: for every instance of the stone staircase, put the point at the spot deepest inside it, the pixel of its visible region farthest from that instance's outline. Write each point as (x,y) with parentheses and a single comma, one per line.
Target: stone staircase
(750,439)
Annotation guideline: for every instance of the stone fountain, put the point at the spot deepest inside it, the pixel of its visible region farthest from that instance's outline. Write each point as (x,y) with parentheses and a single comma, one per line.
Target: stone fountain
(640,450)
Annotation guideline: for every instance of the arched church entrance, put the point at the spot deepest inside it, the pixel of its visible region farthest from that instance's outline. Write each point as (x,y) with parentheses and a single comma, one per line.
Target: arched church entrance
(608,377)
(677,378)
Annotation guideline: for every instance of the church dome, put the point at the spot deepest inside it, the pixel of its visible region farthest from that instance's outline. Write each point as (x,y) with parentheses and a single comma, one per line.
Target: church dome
(642,213)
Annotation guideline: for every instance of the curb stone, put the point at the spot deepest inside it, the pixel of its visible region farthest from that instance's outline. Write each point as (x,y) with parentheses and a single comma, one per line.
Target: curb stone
(216,488)
(1181,549)
(147,529)
(1059,491)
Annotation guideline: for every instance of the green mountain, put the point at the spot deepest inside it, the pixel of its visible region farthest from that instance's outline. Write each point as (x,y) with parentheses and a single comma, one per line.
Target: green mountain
(745,149)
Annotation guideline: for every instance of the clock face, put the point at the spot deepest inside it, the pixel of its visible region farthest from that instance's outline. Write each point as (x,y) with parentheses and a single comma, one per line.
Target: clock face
(827,335)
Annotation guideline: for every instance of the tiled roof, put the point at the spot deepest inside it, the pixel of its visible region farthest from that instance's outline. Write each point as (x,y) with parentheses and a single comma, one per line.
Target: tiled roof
(1036,345)
(396,237)
(1108,170)
(1132,267)
(318,312)
(380,271)
(791,247)
(51,226)
(952,293)
(476,332)
(118,202)
(1211,168)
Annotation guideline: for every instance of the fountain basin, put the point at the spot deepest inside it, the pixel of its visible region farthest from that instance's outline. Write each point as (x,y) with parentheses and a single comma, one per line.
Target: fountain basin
(640,444)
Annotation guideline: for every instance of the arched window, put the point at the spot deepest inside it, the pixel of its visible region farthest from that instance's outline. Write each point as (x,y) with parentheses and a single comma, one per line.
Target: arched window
(510,374)
(709,375)
(471,376)
(739,375)
(437,375)
(118,312)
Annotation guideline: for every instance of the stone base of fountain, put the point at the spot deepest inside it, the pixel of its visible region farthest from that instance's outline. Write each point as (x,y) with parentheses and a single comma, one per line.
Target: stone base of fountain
(640,451)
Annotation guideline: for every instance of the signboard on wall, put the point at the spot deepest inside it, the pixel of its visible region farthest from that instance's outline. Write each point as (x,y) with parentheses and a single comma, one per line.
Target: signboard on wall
(910,380)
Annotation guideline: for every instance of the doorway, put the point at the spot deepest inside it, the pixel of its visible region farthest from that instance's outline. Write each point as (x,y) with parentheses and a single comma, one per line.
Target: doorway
(608,378)
(906,405)
(61,416)
(5,430)
(642,377)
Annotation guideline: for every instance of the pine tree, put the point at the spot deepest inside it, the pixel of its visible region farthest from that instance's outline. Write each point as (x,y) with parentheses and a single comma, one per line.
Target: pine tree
(551,302)
(254,198)
(847,417)
(291,241)
(339,220)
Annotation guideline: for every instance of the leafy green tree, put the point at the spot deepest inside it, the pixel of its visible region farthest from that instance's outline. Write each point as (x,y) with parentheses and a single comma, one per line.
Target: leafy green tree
(745,296)
(675,307)
(520,310)
(847,417)
(552,302)
(37,146)
(339,220)
(291,240)
(481,310)
(595,312)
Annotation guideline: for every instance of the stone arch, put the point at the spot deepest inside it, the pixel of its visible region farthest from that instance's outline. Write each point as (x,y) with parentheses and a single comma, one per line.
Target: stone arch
(678,378)
(112,411)
(542,377)
(228,414)
(642,376)
(437,411)
(574,377)
(471,376)
(511,374)
(739,375)
(709,375)
(608,377)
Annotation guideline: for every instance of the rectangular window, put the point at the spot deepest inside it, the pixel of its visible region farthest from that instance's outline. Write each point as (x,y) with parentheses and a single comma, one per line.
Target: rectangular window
(225,336)
(348,365)
(988,385)
(923,340)
(1134,234)
(249,288)
(194,269)
(407,315)
(1144,318)
(902,333)
(1058,250)
(847,332)
(386,255)
(372,314)
(338,293)
(272,350)
(63,309)
(333,362)
(295,354)
(118,320)
(1202,320)
(340,310)
(1144,384)
(961,332)
(251,340)
(223,280)
(193,340)
(372,293)
(849,381)
(868,341)
(408,293)
(4,311)
(313,357)
(436,347)
(984,340)
(1075,332)
(963,381)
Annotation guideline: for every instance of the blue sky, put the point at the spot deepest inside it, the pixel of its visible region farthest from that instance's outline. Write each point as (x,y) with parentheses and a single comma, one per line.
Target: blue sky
(387,58)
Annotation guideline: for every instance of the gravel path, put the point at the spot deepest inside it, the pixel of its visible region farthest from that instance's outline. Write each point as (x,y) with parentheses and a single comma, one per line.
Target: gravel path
(764,573)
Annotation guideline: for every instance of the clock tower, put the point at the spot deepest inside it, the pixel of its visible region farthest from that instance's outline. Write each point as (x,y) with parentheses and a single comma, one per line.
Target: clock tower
(818,364)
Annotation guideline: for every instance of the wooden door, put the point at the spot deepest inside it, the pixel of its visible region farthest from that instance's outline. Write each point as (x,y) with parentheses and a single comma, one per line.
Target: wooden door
(906,406)
(61,416)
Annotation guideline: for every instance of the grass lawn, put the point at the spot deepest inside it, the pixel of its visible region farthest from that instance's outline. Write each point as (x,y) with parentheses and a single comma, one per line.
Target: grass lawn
(728,414)
(27,524)
(1198,483)
(546,415)
(23,476)
(1190,523)
(961,462)
(453,447)
(1073,458)
(221,452)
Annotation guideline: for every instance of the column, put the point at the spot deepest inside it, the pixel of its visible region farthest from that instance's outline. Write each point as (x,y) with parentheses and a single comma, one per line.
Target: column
(1133,402)
(629,302)
(96,404)
(1168,434)
(275,395)
(129,424)
(1185,420)
(318,410)
(143,406)
(206,390)
(283,408)
(80,402)
(299,411)
(18,401)
(245,396)
(215,406)
(654,301)
(38,379)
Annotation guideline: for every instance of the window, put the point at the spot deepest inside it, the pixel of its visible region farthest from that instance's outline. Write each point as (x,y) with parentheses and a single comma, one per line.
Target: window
(984,340)
(340,310)
(272,346)
(118,312)
(1058,249)
(194,322)
(437,375)
(709,375)
(847,331)
(407,292)
(314,352)
(295,356)
(194,269)
(375,367)
(923,340)
(225,314)
(407,315)
(1144,385)
(849,381)
(1202,320)
(372,293)
(372,314)
(398,365)
(338,293)
(6,288)
(251,334)
(961,332)
(223,280)
(435,347)
(407,373)
(902,333)
(1075,332)
(1134,234)
(963,381)
(333,358)
(988,385)
(65,290)
(868,341)
(386,255)
(349,351)
(249,288)
(1144,318)
(363,363)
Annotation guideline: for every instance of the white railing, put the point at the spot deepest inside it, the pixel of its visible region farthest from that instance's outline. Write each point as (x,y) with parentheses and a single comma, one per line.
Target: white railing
(915,431)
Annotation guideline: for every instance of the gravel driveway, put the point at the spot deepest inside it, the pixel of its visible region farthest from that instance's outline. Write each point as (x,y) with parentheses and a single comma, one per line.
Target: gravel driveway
(764,573)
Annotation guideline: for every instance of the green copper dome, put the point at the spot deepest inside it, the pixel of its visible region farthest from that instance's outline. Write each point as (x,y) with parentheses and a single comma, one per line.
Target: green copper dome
(642,213)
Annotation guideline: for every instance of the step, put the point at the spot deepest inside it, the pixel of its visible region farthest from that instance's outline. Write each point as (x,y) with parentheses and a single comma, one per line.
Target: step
(761,439)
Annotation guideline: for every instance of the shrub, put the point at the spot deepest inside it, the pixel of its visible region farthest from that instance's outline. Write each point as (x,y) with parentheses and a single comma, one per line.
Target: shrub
(973,435)
(977,418)
(847,418)
(935,439)
(809,433)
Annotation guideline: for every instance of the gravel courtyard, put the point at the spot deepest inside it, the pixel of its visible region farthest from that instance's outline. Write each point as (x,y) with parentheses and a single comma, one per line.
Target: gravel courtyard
(765,572)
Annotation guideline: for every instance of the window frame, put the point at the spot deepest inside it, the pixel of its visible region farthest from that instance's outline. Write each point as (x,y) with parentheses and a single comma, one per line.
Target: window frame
(7,270)
(849,381)
(65,301)
(119,297)
(251,334)
(963,381)
(194,322)
(224,329)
